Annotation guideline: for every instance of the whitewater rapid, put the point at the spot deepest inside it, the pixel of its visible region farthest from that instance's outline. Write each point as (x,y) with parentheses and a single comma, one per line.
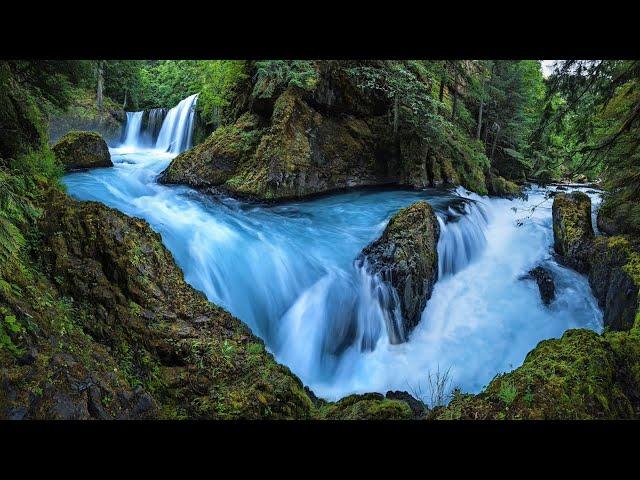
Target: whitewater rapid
(288,272)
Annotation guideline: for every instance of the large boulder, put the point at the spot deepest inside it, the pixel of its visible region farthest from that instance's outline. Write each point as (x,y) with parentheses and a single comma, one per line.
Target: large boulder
(572,229)
(80,150)
(406,258)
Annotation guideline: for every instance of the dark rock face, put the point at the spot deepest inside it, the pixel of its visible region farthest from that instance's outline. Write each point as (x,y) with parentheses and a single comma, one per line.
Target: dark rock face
(544,279)
(611,277)
(572,229)
(406,257)
(612,264)
(78,150)
(288,143)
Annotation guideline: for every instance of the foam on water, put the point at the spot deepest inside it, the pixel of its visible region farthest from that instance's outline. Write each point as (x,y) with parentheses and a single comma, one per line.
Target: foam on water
(289,272)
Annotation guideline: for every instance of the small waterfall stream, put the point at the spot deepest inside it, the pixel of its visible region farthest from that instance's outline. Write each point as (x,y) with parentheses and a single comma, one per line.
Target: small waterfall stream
(168,131)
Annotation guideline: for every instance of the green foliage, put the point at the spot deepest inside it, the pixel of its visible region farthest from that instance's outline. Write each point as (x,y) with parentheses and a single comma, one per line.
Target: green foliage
(218,79)
(10,327)
(273,76)
(508,391)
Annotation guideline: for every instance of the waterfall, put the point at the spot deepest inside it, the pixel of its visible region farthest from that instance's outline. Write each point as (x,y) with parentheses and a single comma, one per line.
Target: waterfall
(133,128)
(462,236)
(168,131)
(177,128)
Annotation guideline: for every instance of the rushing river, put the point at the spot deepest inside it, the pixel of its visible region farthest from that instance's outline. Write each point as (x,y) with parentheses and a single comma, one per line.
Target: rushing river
(288,272)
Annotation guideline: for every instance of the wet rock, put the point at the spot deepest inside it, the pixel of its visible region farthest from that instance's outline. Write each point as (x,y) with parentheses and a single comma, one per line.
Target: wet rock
(614,279)
(79,150)
(572,229)
(406,258)
(545,282)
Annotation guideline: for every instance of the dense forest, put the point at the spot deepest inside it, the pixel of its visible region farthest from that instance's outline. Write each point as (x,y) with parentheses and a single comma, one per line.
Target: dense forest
(492,126)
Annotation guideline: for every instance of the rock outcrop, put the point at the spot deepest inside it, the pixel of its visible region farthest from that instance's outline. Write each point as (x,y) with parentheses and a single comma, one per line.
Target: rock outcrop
(544,279)
(80,150)
(289,142)
(611,263)
(406,258)
(582,375)
(83,114)
(128,337)
(614,276)
(572,230)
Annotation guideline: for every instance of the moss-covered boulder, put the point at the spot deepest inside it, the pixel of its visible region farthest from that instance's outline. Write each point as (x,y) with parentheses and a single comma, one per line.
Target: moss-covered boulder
(136,314)
(370,406)
(501,187)
(80,150)
(406,258)
(582,375)
(215,161)
(572,229)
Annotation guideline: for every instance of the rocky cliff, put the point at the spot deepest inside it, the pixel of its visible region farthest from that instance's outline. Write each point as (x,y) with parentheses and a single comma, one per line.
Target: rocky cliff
(286,141)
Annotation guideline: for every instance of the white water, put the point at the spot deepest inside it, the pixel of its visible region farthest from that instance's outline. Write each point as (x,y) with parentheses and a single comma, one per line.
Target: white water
(133,128)
(288,271)
(173,136)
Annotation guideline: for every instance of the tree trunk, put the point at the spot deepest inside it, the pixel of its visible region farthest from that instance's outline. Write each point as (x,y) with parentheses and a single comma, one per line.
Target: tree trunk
(454,107)
(395,118)
(480,119)
(441,90)
(495,142)
(99,92)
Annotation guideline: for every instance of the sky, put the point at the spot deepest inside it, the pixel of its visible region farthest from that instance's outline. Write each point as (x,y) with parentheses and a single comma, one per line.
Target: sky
(547,67)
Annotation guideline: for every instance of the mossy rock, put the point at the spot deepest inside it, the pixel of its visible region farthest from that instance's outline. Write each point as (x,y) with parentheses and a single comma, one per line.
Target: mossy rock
(161,338)
(572,230)
(370,406)
(331,136)
(406,257)
(215,161)
(501,187)
(80,150)
(582,375)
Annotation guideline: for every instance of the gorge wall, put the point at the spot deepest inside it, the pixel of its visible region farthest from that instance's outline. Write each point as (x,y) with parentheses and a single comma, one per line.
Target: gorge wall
(284,141)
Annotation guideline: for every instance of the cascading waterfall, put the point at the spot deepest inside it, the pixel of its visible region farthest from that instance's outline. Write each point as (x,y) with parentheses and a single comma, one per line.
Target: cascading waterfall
(168,131)
(289,272)
(177,127)
(133,128)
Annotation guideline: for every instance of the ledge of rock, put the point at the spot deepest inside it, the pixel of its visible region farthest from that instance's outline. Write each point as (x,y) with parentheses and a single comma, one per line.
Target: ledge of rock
(80,150)
(572,229)
(406,258)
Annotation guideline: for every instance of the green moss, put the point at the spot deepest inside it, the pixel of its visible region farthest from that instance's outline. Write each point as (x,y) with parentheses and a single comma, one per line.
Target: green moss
(372,406)
(575,377)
